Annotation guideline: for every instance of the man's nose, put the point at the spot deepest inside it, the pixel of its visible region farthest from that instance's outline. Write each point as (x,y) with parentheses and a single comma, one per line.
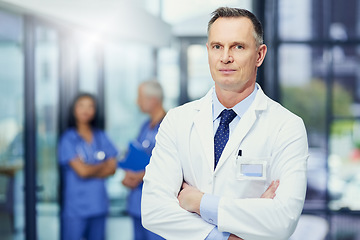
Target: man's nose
(227,56)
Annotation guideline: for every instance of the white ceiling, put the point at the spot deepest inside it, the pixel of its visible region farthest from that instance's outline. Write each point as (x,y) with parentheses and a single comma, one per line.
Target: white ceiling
(114,19)
(190,18)
(178,11)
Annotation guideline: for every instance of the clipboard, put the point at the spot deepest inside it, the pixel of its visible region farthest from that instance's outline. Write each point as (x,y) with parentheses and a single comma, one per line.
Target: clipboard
(136,158)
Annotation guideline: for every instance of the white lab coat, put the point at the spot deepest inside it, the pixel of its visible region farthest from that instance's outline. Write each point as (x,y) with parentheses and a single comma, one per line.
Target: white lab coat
(184,151)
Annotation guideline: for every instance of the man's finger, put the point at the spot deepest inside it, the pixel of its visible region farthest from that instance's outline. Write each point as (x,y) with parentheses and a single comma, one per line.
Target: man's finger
(274,185)
(184,185)
(270,192)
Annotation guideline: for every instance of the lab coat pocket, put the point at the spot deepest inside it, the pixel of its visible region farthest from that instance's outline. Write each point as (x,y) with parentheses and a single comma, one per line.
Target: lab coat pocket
(251,175)
(251,168)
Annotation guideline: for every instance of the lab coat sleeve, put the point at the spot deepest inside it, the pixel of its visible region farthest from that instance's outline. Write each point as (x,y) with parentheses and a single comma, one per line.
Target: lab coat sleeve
(255,219)
(160,209)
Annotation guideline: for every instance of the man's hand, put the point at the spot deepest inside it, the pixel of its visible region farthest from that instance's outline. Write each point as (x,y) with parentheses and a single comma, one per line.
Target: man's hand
(133,179)
(270,192)
(189,198)
(234,237)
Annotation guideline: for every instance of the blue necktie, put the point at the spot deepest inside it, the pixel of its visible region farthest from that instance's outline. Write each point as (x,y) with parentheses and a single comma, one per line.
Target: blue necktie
(222,133)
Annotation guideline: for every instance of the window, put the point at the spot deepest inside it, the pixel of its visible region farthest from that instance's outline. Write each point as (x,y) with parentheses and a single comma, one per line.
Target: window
(11,126)
(315,52)
(47,104)
(126,66)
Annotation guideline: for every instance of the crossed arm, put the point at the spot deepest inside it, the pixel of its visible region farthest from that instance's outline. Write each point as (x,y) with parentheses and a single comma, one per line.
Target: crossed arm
(101,170)
(250,218)
(190,199)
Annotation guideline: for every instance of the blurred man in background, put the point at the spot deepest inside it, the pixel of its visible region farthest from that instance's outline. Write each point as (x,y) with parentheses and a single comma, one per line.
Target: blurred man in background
(150,98)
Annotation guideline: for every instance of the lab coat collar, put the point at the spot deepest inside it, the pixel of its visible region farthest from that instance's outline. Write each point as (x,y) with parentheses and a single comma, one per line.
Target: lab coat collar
(240,108)
(204,126)
(260,101)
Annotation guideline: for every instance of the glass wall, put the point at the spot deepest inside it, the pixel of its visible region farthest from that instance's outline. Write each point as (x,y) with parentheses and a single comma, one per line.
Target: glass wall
(62,63)
(304,93)
(316,51)
(88,65)
(11,126)
(344,159)
(126,66)
(199,78)
(168,73)
(47,107)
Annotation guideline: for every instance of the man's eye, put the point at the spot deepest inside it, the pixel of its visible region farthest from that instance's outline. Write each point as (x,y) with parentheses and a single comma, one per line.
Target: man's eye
(216,46)
(238,47)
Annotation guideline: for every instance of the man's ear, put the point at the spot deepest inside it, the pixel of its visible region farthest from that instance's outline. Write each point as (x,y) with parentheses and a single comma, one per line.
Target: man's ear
(261,54)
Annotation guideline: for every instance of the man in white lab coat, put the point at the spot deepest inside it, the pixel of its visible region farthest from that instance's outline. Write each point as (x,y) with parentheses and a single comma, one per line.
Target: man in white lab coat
(199,187)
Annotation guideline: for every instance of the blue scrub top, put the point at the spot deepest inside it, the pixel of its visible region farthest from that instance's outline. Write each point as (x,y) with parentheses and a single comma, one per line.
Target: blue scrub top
(146,138)
(84,197)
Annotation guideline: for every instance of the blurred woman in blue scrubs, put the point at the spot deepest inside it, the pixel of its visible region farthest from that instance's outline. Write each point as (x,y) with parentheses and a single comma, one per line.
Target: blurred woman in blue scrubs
(86,157)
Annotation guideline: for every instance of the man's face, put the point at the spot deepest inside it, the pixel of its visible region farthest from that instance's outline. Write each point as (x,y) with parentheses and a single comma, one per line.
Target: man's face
(232,53)
(145,103)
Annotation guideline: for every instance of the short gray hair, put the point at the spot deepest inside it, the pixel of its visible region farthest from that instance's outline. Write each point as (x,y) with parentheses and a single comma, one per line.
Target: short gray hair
(153,88)
(227,12)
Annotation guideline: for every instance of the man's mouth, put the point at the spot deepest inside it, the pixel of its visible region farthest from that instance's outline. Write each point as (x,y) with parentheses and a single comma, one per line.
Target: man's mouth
(227,71)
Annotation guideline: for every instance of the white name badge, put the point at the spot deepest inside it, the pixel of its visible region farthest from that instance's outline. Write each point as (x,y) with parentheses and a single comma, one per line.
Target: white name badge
(250,169)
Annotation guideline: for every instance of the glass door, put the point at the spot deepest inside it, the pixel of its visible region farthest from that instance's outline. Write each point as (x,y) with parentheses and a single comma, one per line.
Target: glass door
(12,217)
(47,108)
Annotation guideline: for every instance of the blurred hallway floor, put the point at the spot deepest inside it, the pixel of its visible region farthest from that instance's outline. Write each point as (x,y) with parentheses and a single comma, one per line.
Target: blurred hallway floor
(118,228)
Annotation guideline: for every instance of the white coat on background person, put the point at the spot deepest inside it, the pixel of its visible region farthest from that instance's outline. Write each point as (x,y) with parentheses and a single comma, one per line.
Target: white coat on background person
(266,133)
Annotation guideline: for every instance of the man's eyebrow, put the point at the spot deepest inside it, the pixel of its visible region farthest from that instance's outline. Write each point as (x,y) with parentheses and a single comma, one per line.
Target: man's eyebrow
(215,43)
(238,43)
(231,44)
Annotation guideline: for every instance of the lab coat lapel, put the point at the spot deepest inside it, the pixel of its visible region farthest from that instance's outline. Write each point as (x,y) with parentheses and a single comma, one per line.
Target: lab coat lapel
(204,127)
(243,127)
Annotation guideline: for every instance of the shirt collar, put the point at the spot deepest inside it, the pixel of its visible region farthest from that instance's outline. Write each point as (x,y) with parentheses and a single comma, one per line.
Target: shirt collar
(239,108)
